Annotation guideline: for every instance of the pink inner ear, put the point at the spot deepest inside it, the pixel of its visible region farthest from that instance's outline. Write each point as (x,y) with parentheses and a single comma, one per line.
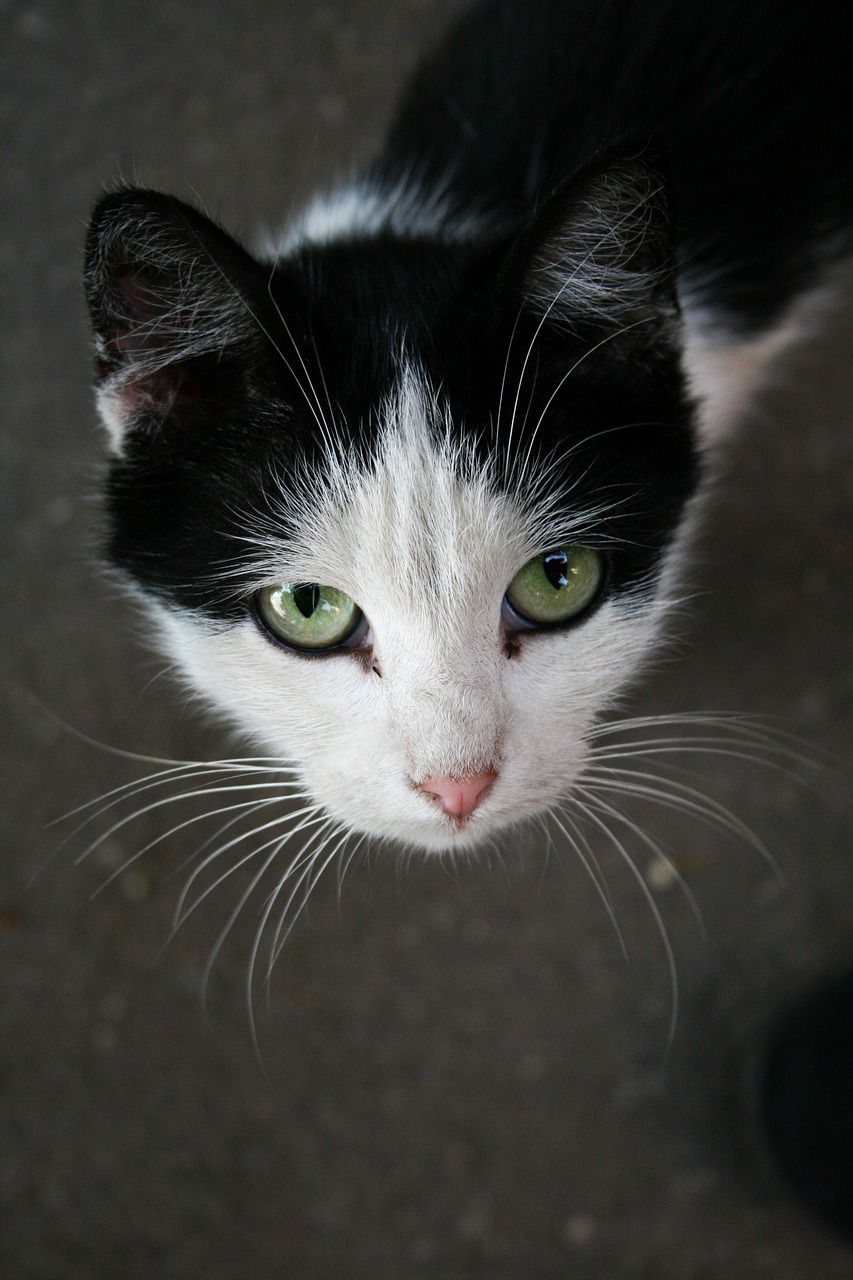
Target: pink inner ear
(145,308)
(153,349)
(129,342)
(144,303)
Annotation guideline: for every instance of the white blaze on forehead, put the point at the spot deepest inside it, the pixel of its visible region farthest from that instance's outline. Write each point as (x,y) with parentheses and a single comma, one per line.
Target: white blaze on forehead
(421,521)
(422,516)
(413,524)
(365,209)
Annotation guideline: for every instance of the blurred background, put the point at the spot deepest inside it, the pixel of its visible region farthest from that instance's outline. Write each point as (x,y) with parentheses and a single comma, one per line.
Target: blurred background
(457,1074)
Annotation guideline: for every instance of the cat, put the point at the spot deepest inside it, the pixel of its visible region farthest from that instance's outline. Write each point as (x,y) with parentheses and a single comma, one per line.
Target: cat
(406,496)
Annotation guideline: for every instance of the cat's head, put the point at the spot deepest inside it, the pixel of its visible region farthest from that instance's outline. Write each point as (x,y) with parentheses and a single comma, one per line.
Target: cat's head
(401,505)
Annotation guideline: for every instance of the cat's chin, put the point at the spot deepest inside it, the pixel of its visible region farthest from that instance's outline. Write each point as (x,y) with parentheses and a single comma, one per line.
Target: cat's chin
(451,839)
(465,840)
(438,834)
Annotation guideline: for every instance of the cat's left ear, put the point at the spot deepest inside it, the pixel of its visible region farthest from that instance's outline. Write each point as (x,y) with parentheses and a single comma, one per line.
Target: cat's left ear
(174,302)
(599,257)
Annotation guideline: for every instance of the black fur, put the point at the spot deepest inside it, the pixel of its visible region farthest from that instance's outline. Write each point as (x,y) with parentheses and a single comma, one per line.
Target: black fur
(723,134)
(749,102)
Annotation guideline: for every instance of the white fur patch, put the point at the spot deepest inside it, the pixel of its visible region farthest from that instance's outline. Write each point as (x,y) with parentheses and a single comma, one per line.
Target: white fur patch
(725,371)
(363,209)
(113,414)
(426,545)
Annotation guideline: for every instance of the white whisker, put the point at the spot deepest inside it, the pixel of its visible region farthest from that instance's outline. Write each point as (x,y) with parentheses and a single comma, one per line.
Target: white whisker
(309,878)
(240,809)
(305,860)
(591,866)
(314,406)
(345,864)
(163,802)
(130,791)
(677,796)
(277,843)
(611,811)
(590,810)
(181,914)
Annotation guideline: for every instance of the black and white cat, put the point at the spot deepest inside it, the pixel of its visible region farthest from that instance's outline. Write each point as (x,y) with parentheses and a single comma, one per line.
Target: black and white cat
(405,497)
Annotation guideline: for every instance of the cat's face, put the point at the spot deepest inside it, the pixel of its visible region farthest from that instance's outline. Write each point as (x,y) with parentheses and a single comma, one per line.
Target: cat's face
(416,452)
(440,684)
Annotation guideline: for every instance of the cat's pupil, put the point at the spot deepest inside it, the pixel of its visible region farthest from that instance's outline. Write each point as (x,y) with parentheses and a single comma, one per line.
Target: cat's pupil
(306,597)
(555,564)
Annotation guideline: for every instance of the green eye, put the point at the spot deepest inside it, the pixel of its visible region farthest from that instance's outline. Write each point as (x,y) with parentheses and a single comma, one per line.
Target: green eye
(557,585)
(308,616)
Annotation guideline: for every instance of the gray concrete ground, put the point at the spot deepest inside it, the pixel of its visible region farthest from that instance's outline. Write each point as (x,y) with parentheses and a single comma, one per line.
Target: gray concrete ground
(462,1077)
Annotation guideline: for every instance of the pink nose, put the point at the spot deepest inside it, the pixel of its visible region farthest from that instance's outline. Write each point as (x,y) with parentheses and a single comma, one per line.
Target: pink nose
(458,797)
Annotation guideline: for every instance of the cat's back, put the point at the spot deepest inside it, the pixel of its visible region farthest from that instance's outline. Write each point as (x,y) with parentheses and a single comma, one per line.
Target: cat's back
(748,107)
(519,95)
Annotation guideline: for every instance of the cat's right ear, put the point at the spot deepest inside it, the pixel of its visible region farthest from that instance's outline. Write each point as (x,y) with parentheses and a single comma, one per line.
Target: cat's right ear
(173,298)
(599,257)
